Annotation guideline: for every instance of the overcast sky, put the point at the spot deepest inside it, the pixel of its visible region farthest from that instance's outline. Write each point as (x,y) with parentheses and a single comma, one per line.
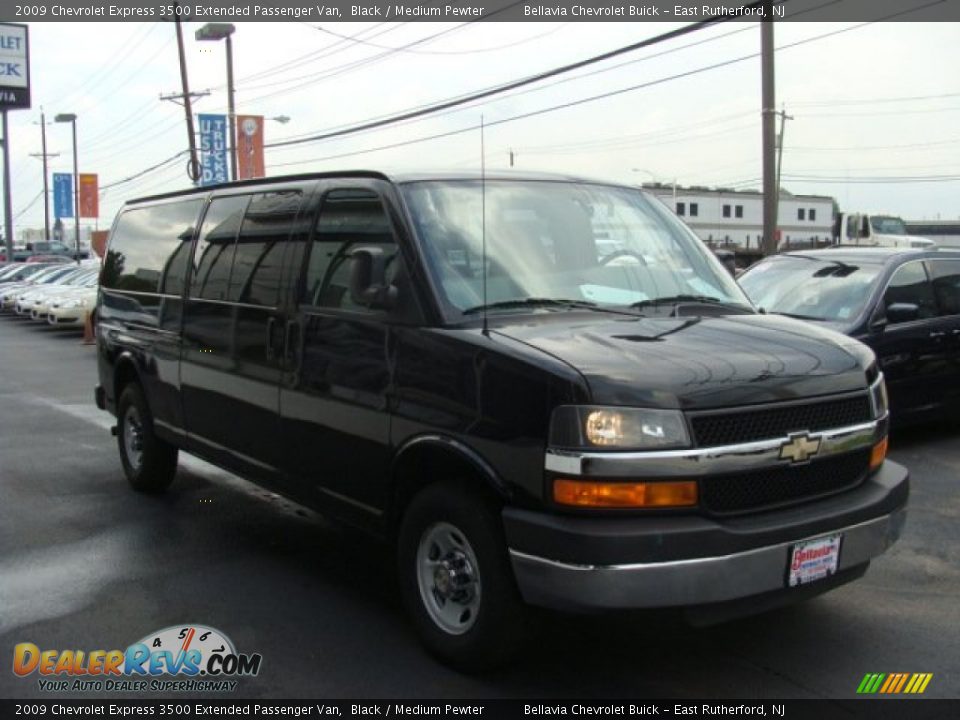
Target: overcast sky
(869,101)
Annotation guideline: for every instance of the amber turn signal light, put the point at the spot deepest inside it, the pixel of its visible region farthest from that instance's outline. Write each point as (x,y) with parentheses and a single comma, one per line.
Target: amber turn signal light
(582,493)
(878,454)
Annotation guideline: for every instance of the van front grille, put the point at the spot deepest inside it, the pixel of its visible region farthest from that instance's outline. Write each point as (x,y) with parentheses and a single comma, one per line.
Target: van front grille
(763,423)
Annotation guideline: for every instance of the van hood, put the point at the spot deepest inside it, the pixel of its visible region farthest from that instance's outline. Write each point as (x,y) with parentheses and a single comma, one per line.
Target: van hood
(697,362)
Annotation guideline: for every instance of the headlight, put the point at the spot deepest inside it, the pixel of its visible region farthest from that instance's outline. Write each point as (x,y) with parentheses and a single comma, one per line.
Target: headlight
(618,427)
(78,303)
(878,397)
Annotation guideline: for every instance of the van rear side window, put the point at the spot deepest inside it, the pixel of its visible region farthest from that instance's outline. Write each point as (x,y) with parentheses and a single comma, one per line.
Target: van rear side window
(150,247)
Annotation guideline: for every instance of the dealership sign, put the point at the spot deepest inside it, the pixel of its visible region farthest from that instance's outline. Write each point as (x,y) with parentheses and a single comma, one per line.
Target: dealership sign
(14,66)
(62,195)
(213,147)
(88,195)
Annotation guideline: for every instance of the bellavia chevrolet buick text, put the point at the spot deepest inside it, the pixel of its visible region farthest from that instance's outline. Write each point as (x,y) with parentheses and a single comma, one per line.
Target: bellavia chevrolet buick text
(541,390)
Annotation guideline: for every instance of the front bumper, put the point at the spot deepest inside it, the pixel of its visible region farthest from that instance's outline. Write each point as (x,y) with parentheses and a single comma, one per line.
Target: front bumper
(594,563)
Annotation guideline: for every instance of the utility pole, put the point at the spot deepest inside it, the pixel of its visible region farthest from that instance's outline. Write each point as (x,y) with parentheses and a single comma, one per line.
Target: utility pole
(768,111)
(783,125)
(46,187)
(7,199)
(193,165)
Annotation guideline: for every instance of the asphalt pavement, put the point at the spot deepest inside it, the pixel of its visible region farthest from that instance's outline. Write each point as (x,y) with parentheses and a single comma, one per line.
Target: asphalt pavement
(85,563)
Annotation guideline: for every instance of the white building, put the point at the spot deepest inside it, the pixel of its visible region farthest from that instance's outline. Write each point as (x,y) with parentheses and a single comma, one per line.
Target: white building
(723,217)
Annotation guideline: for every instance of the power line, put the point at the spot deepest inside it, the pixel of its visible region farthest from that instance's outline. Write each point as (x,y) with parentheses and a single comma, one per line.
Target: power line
(29,205)
(489,92)
(871,101)
(857,148)
(495,48)
(150,169)
(529,80)
(340,70)
(693,27)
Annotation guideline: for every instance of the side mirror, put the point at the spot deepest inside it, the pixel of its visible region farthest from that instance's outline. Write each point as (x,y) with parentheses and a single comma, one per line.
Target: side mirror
(368,285)
(902,312)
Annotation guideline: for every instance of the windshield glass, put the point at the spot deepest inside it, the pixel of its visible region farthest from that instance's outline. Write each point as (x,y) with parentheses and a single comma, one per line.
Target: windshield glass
(808,287)
(32,273)
(9,271)
(579,243)
(886,225)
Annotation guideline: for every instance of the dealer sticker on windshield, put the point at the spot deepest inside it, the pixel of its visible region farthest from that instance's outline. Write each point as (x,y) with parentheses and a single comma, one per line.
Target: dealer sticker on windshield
(813,560)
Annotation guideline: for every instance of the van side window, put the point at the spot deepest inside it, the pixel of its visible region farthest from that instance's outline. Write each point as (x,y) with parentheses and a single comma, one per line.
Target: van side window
(257,263)
(946,285)
(909,284)
(149,248)
(213,257)
(348,219)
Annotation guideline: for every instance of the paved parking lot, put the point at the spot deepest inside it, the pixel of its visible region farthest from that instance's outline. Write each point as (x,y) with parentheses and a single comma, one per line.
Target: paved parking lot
(86,563)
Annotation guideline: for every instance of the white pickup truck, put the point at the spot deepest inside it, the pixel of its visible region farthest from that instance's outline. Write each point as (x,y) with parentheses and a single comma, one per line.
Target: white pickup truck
(875,229)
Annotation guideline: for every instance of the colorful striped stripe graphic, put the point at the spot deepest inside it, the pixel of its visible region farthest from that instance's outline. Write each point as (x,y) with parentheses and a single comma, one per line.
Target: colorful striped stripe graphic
(894,683)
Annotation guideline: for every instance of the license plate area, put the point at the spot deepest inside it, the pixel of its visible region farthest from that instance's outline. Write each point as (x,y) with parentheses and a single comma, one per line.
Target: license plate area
(813,560)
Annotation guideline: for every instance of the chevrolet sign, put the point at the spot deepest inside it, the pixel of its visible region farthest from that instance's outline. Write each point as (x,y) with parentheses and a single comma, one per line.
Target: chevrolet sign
(799,448)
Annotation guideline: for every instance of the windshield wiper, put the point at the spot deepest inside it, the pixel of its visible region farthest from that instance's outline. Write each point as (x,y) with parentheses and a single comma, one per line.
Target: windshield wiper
(798,316)
(530,302)
(675,299)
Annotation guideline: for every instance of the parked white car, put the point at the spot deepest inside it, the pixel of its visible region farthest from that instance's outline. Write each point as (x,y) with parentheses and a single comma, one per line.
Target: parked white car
(37,303)
(10,292)
(71,310)
(28,297)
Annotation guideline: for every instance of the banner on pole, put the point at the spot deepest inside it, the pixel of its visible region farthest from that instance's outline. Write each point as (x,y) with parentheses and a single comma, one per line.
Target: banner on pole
(250,147)
(89,201)
(62,195)
(213,149)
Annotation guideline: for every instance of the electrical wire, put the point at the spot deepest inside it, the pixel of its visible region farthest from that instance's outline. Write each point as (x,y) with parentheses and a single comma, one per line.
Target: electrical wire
(495,48)
(663,37)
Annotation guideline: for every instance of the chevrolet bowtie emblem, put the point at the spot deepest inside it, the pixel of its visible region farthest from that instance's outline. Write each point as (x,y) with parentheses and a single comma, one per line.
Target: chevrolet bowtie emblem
(799,448)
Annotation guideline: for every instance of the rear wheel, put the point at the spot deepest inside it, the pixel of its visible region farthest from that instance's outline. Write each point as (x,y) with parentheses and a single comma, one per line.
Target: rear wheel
(148,462)
(456,580)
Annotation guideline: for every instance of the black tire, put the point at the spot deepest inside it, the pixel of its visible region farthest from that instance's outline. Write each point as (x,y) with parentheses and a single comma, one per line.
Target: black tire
(157,464)
(490,633)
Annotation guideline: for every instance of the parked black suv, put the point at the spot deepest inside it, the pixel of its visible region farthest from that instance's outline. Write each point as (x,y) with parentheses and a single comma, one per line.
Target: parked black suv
(903,303)
(459,365)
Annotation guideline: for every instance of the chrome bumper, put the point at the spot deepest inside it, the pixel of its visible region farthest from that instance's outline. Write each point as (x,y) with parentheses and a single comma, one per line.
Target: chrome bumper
(687,582)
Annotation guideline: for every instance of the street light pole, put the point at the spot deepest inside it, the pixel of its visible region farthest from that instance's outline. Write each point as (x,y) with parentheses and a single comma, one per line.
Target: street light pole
(224,31)
(72,119)
(7,197)
(231,109)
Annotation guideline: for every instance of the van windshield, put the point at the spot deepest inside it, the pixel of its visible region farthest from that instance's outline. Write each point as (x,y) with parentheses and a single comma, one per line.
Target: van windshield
(556,244)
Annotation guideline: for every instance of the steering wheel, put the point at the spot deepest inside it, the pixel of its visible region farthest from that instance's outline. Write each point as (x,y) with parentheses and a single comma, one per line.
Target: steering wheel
(623,253)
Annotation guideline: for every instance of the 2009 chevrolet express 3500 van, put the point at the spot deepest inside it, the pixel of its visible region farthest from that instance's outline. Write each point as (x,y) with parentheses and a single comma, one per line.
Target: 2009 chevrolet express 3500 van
(541,389)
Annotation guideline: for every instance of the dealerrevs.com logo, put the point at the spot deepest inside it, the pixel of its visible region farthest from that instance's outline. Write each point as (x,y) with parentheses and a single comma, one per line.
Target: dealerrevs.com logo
(180,658)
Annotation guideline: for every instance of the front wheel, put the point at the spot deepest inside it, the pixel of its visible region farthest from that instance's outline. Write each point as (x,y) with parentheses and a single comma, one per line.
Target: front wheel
(148,462)
(456,580)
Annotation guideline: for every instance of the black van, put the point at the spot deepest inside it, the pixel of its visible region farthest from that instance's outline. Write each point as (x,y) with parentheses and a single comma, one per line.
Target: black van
(541,389)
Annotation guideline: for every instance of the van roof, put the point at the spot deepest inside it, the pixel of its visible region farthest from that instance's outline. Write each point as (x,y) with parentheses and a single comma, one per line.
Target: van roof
(398,177)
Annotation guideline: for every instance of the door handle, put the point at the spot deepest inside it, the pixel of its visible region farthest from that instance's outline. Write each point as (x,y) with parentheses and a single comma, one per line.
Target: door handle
(937,334)
(955,331)
(291,337)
